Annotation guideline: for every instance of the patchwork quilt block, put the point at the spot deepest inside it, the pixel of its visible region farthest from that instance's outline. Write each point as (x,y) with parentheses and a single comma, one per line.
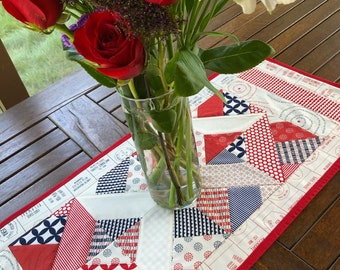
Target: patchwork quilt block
(260,150)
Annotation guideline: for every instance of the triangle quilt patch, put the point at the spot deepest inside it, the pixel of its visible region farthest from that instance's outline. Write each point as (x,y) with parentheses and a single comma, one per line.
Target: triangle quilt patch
(214,203)
(115,180)
(128,241)
(100,240)
(116,227)
(215,143)
(204,225)
(243,201)
(33,257)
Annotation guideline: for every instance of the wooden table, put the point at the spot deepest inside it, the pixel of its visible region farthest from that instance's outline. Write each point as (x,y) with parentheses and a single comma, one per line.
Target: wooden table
(46,137)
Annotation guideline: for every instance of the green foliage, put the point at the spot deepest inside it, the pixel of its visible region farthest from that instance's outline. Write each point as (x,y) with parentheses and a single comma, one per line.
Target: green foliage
(236,58)
(187,72)
(38,58)
(164,120)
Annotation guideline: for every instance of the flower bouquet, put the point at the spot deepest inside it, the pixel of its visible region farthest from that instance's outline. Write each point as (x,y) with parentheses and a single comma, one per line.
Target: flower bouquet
(148,50)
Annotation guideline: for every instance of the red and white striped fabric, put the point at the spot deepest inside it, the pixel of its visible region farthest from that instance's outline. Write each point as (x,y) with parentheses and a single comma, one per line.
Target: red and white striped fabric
(77,236)
(293,93)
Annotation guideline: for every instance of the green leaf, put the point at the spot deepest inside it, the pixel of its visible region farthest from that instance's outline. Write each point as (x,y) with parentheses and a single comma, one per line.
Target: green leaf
(236,58)
(170,69)
(214,10)
(221,34)
(99,77)
(187,72)
(189,75)
(219,7)
(146,140)
(164,120)
(153,74)
(189,4)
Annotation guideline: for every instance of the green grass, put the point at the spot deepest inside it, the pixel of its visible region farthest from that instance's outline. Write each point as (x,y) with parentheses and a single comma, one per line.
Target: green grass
(38,58)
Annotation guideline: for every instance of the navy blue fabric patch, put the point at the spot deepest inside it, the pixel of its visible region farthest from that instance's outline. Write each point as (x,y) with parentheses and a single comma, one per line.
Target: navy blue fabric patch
(295,152)
(225,157)
(243,201)
(184,218)
(234,105)
(116,227)
(238,147)
(48,230)
(115,180)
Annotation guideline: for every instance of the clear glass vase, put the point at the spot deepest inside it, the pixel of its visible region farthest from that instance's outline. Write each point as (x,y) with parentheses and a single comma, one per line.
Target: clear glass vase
(161,129)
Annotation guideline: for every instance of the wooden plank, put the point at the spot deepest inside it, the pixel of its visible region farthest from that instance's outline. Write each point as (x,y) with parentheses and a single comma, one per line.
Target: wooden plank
(11,145)
(111,103)
(307,42)
(31,174)
(335,265)
(247,26)
(43,185)
(323,200)
(100,93)
(330,69)
(303,26)
(37,107)
(231,11)
(230,27)
(12,89)
(31,153)
(320,247)
(316,58)
(260,27)
(119,114)
(80,121)
(278,257)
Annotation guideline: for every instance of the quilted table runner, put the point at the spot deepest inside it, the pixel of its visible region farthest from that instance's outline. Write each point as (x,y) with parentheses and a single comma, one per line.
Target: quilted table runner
(264,153)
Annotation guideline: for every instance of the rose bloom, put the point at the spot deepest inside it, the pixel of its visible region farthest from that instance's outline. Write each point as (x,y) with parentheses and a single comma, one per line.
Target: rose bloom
(102,41)
(41,13)
(162,2)
(248,6)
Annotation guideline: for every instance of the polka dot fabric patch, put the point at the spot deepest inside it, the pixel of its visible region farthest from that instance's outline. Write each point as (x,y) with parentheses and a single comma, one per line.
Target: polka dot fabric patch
(135,180)
(64,210)
(261,150)
(255,109)
(286,131)
(234,175)
(190,252)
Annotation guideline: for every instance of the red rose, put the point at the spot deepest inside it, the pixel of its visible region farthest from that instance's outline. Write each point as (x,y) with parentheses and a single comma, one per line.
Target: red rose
(41,13)
(102,41)
(162,2)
